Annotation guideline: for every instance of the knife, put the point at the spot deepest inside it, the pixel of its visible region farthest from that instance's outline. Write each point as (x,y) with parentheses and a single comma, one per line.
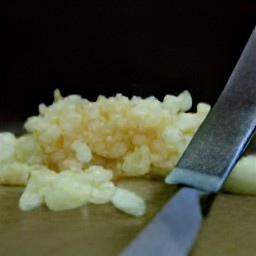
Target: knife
(205,164)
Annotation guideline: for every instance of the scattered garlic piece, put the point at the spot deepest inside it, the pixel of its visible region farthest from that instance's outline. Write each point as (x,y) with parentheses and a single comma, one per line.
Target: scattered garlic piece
(14,173)
(129,202)
(242,179)
(7,146)
(75,188)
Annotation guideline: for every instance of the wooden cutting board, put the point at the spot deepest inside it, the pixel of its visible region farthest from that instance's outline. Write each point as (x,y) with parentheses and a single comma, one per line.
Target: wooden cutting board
(96,230)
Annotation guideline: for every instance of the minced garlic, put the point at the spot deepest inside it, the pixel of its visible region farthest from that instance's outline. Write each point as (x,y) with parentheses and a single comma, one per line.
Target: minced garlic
(74,149)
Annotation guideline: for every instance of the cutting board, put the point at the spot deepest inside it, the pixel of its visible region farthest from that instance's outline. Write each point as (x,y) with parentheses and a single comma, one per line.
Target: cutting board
(96,230)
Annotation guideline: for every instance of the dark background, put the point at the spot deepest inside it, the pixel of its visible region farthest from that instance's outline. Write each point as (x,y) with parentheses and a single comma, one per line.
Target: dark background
(136,48)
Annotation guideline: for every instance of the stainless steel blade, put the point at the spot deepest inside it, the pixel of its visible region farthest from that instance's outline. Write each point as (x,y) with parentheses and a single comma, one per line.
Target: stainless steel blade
(174,230)
(226,131)
(206,163)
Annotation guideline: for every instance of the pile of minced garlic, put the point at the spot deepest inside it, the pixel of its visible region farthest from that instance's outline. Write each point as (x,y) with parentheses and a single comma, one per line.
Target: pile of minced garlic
(75,151)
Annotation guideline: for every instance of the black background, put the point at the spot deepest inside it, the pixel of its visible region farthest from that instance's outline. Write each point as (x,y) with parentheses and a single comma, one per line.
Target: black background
(136,48)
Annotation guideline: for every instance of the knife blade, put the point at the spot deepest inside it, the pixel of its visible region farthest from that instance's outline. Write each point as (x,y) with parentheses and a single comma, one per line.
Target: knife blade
(205,164)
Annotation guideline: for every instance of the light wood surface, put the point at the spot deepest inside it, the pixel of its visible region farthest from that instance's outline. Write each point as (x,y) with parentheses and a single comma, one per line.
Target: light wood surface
(96,230)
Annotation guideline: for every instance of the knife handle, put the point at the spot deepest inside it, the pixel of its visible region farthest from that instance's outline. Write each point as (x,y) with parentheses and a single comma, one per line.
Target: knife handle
(174,229)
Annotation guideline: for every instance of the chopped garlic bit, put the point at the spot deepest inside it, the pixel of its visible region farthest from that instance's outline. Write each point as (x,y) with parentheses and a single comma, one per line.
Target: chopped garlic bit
(137,163)
(57,95)
(185,101)
(172,136)
(7,146)
(129,202)
(28,150)
(83,152)
(98,175)
(242,179)
(14,173)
